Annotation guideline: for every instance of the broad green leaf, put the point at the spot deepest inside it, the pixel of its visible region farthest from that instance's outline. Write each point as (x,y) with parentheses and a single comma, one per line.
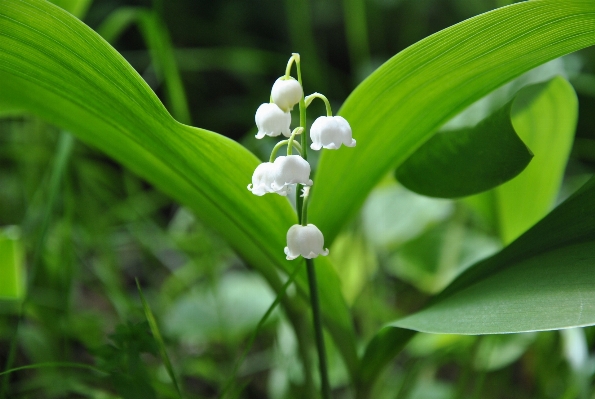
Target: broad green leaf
(458,163)
(539,282)
(544,117)
(12,264)
(54,66)
(159,43)
(400,106)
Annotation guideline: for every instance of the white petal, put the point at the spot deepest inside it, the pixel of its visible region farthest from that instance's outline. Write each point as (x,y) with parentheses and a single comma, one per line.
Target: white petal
(331,132)
(306,241)
(272,121)
(291,169)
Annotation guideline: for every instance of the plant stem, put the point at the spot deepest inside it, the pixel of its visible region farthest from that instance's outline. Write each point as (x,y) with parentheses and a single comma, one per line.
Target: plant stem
(304,153)
(280,144)
(324,382)
(303,219)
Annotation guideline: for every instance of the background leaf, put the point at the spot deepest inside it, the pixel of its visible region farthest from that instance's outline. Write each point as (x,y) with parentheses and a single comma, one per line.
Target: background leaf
(405,101)
(545,117)
(463,162)
(12,266)
(54,66)
(524,287)
(520,289)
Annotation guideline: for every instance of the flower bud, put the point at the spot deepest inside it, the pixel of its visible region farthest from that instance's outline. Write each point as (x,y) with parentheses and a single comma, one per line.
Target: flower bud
(287,93)
(330,132)
(272,121)
(306,241)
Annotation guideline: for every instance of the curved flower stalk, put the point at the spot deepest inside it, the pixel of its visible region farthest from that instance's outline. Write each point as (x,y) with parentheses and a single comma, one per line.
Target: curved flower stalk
(282,173)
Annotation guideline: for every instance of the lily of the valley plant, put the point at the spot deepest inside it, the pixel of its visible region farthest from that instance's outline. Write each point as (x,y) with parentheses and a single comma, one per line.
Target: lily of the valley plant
(281,173)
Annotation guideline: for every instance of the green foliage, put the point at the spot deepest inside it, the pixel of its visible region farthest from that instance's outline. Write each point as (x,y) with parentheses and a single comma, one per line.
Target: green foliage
(90,228)
(122,359)
(12,266)
(158,340)
(468,161)
(404,102)
(159,43)
(523,285)
(546,121)
(119,114)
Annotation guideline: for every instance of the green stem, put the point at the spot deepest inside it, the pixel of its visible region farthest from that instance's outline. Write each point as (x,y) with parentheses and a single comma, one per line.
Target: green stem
(324,381)
(312,96)
(302,109)
(302,203)
(291,140)
(305,209)
(302,104)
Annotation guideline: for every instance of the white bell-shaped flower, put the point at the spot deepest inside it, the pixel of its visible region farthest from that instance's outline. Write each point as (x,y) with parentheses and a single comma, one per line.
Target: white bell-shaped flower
(330,132)
(306,241)
(287,93)
(290,169)
(262,178)
(272,121)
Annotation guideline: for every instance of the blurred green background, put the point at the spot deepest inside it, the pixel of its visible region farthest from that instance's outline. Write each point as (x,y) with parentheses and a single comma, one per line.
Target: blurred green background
(76,228)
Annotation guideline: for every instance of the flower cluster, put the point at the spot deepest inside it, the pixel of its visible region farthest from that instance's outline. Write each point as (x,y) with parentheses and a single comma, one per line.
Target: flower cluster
(280,173)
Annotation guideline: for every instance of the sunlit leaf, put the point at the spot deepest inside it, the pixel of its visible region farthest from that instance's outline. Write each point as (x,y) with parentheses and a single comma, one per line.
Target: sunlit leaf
(54,66)
(545,119)
(406,100)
